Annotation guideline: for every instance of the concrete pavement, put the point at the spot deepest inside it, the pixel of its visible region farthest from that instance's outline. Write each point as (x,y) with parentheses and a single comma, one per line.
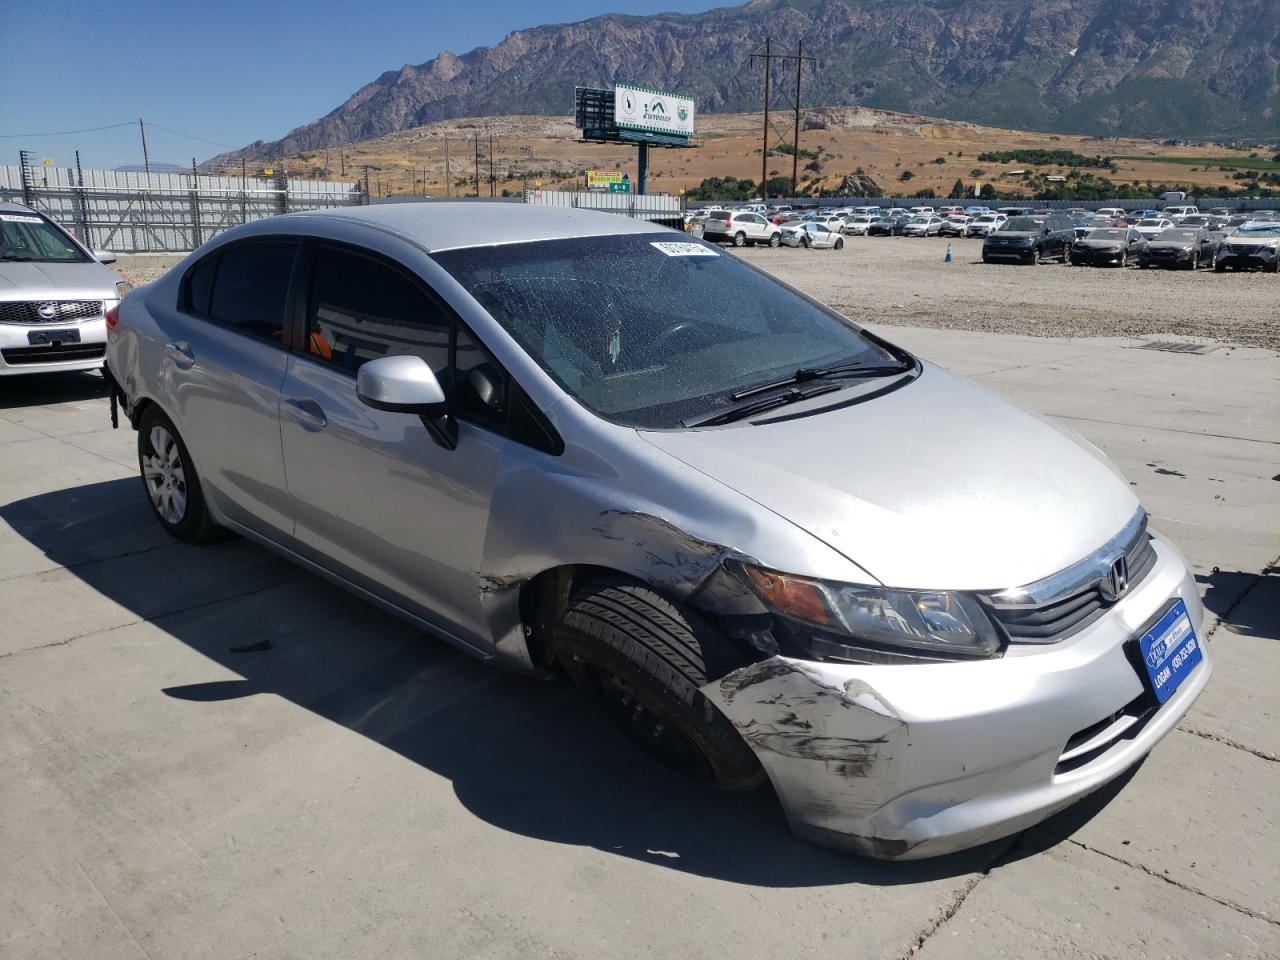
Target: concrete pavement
(362,790)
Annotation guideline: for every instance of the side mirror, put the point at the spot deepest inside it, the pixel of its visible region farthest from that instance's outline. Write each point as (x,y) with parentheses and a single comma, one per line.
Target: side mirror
(405,384)
(104,256)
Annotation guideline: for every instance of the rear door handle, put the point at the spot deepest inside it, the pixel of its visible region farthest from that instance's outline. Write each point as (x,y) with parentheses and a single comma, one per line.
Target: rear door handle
(181,355)
(307,412)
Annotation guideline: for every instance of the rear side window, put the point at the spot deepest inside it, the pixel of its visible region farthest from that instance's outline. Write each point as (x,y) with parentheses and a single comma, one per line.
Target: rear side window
(362,309)
(200,286)
(250,288)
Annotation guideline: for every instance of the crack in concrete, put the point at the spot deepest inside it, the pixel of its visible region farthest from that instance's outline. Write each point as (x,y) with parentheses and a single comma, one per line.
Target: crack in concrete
(970,885)
(1149,426)
(1221,901)
(1217,738)
(154,618)
(85,563)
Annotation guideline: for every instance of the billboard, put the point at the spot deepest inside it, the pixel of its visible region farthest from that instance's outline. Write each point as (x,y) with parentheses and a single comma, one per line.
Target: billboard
(640,108)
(608,182)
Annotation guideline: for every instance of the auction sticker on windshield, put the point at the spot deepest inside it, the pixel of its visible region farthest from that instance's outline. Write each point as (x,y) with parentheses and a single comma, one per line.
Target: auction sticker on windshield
(19,218)
(1170,650)
(674,248)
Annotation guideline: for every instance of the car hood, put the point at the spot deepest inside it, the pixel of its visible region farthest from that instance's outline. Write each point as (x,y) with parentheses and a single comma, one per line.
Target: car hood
(1171,244)
(1242,241)
(56,281)
(1101,244)
(939,484)
(1013,235)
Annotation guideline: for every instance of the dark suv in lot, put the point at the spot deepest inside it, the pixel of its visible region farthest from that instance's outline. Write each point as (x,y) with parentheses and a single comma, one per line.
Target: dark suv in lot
(1030,239)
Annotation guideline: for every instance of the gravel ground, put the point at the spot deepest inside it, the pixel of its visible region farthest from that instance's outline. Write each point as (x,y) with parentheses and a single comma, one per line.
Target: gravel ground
(905,281)
(897,280)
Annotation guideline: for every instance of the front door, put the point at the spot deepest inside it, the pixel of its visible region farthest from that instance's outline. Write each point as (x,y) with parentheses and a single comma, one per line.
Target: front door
(375,498)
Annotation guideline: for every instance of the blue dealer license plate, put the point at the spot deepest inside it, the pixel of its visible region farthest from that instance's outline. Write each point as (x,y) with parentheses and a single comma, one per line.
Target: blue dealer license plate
(1170,651)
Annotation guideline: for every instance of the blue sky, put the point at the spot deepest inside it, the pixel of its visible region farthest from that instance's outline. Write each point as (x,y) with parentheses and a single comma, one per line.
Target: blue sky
(230,72)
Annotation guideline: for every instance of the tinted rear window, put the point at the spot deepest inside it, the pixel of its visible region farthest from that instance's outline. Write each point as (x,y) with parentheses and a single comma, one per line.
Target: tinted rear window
(251,287)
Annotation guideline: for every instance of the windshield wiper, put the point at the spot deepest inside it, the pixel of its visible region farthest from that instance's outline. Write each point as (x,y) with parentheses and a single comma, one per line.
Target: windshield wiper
(15,258)
(752,407)
(805,374)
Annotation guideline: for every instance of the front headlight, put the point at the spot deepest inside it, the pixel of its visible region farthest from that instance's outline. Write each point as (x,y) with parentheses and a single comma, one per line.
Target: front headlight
(122,287)
(863,624)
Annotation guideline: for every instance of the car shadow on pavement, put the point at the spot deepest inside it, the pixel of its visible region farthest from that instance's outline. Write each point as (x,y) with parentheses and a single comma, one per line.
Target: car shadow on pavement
(37,390)
(1259,616)
(525,753)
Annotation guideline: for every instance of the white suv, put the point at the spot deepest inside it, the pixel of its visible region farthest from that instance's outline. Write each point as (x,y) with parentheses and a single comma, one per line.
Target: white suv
(740,228)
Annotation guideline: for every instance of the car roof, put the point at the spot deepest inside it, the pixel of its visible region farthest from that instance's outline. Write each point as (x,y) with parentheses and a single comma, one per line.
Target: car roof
(445,225)
(8,207)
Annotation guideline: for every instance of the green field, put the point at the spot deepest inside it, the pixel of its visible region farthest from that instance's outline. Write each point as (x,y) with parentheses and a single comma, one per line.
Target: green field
(1231,163)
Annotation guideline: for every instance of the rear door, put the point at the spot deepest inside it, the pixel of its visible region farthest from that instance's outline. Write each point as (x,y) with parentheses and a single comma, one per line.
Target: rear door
(224,364)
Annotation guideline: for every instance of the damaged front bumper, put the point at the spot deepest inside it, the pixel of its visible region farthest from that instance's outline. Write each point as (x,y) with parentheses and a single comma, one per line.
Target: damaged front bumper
(911,761)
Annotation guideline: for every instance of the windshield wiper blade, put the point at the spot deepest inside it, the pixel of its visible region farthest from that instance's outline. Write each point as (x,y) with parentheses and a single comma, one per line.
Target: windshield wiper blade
(744,410)
(16,259)
(805,374)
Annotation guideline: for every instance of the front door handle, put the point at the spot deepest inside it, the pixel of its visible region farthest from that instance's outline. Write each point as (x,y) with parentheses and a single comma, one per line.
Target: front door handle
(307,412)
(181,355)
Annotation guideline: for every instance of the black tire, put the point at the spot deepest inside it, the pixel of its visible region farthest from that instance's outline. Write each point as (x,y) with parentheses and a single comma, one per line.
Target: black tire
(839,243)
(1035,256)
(985,258)
(1124,258)
(1195,262)
(643,659)
(804,241)
(1219,268)
(194,525)
(775,239)
(739,239)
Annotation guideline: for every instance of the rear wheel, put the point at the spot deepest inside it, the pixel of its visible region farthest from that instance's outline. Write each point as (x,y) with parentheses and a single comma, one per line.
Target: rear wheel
(173,489)
(643,658)
(739,239)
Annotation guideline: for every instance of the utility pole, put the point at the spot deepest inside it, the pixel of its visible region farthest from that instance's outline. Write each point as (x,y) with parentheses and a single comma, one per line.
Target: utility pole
(477,136)
(795,156)
(342,159)
(146,157)
(764,141)
(448,175)
(768,57)
(492,183)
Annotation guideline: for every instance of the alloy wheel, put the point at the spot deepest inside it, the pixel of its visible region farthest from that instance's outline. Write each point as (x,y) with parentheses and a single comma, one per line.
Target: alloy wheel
(165,479)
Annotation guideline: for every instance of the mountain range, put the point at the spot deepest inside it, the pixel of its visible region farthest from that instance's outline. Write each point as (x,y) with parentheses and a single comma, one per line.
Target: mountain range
(1187,69)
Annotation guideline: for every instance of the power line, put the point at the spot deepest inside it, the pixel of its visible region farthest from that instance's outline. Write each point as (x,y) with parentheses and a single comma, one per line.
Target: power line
(66,133)
(113,126)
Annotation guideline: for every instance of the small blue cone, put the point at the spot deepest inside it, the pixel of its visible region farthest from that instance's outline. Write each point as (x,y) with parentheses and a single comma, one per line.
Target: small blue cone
(948,259)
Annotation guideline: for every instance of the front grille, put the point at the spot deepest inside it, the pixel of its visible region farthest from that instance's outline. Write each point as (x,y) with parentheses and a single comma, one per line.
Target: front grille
(29,311)
(1060,605)
(16,356)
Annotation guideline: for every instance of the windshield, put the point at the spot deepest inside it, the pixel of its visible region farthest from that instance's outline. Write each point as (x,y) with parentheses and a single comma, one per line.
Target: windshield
(1023,224)
(1259,230)
(1108,234)
(650,331)
(1151,223)
(28,236)
(1177,236)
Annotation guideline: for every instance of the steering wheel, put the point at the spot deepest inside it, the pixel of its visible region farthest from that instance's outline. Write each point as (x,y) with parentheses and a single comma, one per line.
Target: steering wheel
(677,329)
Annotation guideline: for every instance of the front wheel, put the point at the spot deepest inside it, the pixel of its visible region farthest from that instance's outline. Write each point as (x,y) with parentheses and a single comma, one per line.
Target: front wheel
(804,241)
(1124,258)
(644,659)
(173,489)
(775,239)
(839,243)
(1035,256)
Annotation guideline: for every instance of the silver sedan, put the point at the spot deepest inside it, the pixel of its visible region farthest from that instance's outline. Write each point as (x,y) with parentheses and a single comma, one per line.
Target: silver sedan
(714,503)
(55,296)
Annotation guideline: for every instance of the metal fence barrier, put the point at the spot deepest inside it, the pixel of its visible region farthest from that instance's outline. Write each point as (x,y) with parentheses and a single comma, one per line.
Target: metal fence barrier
(658,208)
(129,212)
